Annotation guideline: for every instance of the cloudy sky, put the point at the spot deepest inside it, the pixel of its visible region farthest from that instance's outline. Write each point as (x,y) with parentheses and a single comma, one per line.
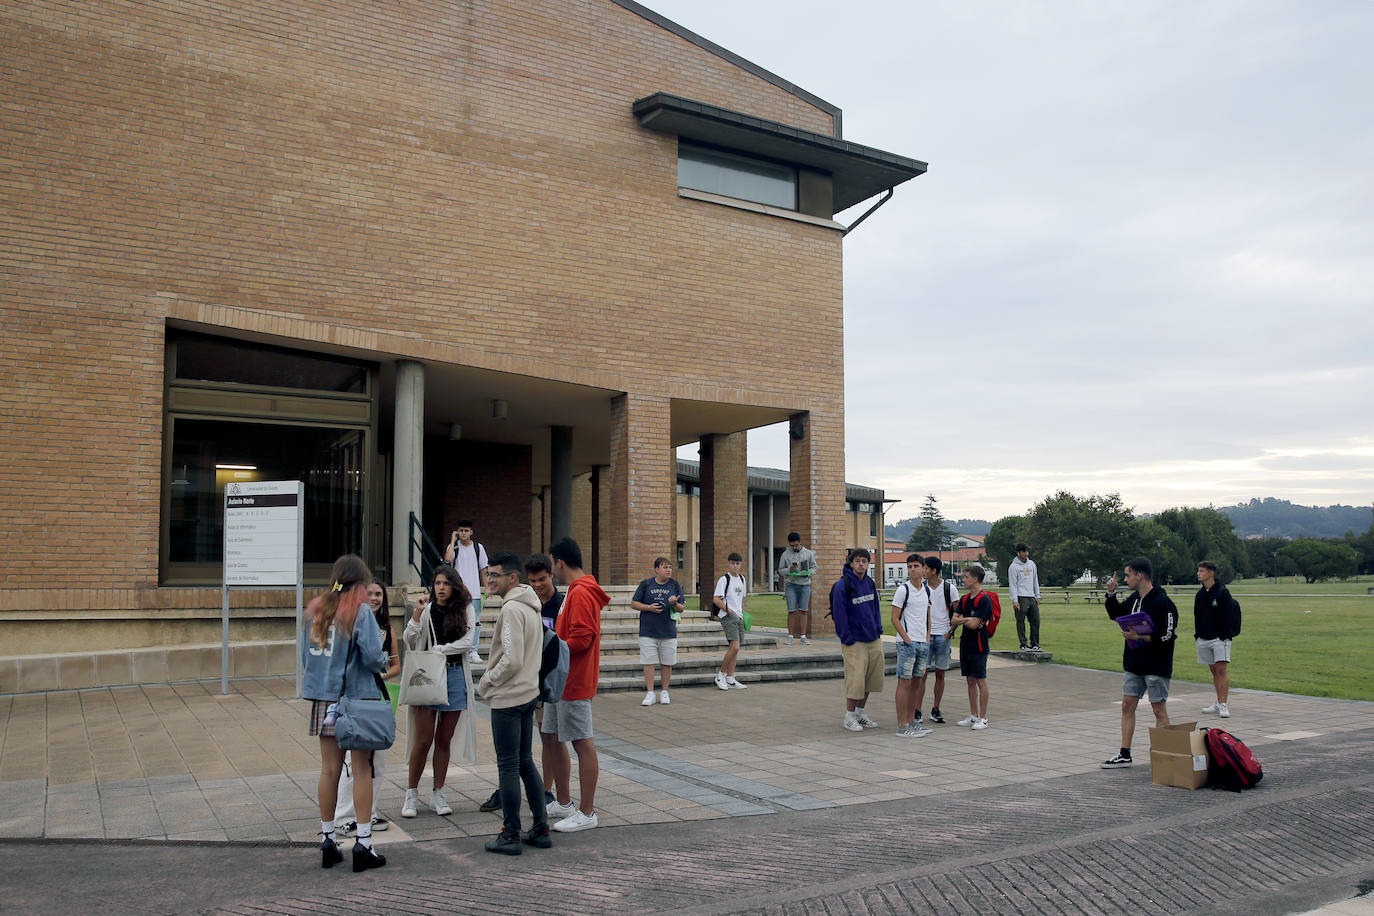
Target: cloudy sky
(1142,260)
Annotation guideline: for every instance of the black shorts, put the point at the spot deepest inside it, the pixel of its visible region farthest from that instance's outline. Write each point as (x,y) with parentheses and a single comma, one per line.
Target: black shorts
(973,664)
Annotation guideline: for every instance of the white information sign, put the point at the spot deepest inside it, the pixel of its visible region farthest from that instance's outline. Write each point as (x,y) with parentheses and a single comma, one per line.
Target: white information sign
(262,532)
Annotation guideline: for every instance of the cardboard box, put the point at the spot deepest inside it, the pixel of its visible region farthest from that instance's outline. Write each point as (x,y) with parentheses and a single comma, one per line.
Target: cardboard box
(1178,756)
(1183,738)
(1183,771)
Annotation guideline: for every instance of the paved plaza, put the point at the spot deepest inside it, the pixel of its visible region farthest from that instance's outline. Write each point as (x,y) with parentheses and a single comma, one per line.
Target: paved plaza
(741,801)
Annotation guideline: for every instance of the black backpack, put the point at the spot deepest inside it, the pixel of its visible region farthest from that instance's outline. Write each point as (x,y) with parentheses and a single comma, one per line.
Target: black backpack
(553,667)
(1233,619)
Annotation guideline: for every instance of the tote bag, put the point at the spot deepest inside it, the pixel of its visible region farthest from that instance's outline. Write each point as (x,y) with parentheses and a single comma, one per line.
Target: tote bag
(424,675)
(363,724)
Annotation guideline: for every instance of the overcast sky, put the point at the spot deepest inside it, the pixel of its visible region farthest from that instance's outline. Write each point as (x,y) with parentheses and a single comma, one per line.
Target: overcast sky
(1142,260)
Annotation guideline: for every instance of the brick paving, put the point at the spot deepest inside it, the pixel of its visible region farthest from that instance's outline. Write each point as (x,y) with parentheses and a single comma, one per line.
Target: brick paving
(751,801)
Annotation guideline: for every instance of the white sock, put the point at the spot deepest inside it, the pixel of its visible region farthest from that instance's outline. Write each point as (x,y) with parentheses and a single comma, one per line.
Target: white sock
(364,835)
(859,712)
(327,828)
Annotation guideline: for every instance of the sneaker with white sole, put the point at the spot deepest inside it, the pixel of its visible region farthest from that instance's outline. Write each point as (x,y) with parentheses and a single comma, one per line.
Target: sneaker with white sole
(557,810)
(380,823)
(663,698)
(920,731)
(865,721)
(438,803)
(1224,710)
(474,657)
(1215,707)
(577,821)
(1116,762)
(788,641)
(851,723)
(734,684)
(937,717)
(649,699)
(346,830)
(967,720)
(805,641)
(980,724)
(720,681)
(905,731)
(411,803)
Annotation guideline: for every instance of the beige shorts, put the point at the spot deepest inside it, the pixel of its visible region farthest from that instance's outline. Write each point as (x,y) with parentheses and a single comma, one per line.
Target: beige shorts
(863,669)
(657,651)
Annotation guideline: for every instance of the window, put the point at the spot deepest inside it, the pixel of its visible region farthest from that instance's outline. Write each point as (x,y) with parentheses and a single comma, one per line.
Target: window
(218,359)
(702,168)
(681,554)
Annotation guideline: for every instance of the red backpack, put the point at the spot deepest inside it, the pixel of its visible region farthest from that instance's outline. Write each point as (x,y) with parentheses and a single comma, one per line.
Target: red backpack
(1230,764)
(991,625)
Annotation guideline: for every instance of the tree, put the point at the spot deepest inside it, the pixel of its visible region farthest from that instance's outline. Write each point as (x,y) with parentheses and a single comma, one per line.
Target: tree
(1208,535)
(1000,543)
(1169,554)
(1363,545)
(931,533)
(1072,534)
(1265,559)
(1316,560)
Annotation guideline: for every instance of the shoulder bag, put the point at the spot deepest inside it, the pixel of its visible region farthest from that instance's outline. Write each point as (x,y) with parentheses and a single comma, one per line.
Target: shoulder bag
(424,677)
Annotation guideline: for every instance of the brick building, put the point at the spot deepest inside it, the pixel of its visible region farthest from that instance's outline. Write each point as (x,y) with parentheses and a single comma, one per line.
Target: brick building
(435,260)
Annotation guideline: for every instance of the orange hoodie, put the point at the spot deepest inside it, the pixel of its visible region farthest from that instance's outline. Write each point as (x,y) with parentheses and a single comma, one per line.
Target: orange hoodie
(579,625)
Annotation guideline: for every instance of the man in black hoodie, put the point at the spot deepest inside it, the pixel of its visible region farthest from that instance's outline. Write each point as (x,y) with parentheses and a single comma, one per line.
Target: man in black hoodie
(1149,659)
(1215,622)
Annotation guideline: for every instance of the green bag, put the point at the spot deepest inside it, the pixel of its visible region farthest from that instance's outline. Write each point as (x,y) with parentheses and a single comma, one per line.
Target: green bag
(748,621)
(393,691)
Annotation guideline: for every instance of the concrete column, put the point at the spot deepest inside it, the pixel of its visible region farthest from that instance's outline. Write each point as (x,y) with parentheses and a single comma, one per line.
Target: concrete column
(772,570)
(724,505)
(641,488)
(816,507)
(408,470)
(560,482)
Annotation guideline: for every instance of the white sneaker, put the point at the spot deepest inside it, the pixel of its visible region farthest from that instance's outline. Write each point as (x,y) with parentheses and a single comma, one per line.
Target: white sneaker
(734,684)
(1215,707)
(865,721)
(805,641)
(437,802)
(474,657)
(967,720)
(720,681)
(851,722)
(557,810)
(1224,710)
(788,641)
(649,699)
(576,821)
(410,804)
(981,723)
(663,699)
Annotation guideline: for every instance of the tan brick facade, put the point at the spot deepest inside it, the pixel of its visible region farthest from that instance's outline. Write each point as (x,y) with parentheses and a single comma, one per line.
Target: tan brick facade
(460,185)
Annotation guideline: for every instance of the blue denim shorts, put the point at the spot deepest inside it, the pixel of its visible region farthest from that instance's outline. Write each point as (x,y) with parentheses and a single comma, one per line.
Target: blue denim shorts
(798,596)
(939,653)
(1136,685)
(912,659)
(457,690)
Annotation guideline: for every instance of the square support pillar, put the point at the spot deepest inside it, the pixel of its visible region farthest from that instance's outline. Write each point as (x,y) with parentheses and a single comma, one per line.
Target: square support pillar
(641,490)
(816,502)
(724,506)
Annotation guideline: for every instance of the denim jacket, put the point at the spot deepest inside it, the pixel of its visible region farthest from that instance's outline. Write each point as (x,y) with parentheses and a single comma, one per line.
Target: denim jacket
(324,665)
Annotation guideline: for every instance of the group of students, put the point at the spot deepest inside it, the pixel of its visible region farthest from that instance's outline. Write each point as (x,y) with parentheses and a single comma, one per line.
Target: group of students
(350,649)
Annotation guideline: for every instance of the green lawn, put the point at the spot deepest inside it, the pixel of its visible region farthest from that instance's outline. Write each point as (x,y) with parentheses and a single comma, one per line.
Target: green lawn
(1317,646)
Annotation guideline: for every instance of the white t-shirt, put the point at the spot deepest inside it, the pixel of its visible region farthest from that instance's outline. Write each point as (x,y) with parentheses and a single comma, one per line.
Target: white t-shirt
(469,562)
(939,610)
(911,598)
(731,588)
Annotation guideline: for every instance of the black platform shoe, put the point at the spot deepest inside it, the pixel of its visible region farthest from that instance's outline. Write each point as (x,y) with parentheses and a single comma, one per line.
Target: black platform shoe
(365,857)
(329,853)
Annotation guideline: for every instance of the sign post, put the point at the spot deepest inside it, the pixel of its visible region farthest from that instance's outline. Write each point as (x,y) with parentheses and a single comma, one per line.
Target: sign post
(264,546)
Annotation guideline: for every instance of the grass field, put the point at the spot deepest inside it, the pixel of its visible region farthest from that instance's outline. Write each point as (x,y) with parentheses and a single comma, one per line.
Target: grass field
(1314,639)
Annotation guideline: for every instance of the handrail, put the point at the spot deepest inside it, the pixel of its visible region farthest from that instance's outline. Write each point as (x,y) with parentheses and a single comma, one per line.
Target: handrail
(430,555)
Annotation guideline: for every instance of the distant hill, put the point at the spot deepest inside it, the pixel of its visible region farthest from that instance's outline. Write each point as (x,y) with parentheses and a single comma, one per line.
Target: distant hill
(902,530)
(1280,518)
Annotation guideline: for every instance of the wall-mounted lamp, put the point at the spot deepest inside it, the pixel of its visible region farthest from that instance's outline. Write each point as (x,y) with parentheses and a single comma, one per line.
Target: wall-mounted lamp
(797,428)
(499,409)
(455,431)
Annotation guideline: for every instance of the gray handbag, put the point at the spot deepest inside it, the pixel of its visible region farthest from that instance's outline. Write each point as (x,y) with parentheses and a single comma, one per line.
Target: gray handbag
(363,724)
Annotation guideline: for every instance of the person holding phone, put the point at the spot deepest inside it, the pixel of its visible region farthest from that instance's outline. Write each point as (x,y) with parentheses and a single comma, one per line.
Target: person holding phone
(1148,660)
(659,602)
(469,558)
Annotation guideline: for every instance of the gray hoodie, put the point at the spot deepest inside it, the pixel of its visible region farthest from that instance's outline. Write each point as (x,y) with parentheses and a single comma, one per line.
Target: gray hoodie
(806,565)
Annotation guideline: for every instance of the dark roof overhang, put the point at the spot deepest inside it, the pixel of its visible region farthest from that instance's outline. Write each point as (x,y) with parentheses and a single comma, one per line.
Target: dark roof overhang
(857,172)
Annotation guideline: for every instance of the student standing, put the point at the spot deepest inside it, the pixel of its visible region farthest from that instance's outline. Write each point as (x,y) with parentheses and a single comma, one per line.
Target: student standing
(859,625)
(911,620)
(449,609)
(511,685)
(570,719)
(973,612)
(470,559)
(942,595)
(340,657)
(1024,581)
(659,602)
(729,599)
(1147,660)
(344,821)
(1216,621)
(796,566)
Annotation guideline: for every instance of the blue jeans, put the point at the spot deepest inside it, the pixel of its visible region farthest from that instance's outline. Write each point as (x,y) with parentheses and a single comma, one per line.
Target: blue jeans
(512,732)
(798,596)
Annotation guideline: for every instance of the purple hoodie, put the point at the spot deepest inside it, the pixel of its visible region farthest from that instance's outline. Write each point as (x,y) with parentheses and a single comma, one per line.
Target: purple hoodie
(854,607)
